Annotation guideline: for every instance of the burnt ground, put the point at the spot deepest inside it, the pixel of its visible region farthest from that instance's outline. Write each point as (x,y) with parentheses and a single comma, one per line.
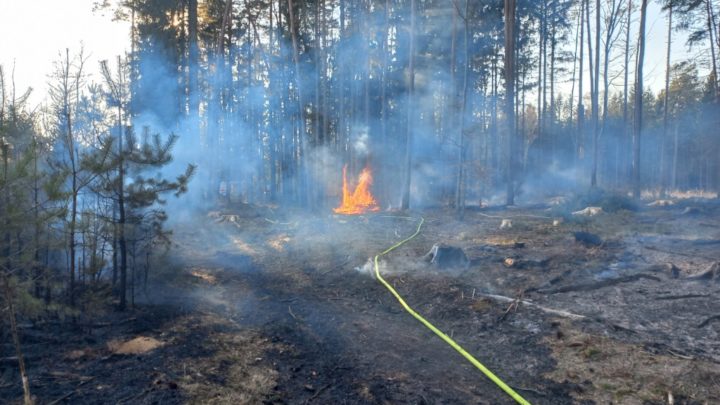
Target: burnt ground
(262,306)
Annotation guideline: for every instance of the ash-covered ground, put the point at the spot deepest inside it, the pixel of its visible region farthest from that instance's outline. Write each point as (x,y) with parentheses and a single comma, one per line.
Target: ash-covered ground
(262,305)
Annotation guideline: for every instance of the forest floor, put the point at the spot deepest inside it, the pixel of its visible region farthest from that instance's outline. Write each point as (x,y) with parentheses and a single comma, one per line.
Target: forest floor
(266,306)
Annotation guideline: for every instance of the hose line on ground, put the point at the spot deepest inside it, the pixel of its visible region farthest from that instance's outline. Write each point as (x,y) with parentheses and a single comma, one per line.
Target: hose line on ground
(489,374)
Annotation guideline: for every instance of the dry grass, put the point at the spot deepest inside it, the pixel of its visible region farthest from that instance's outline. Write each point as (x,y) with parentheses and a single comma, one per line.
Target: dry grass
(278,242)
(204,275)
(235,372)
(138,345)
(244,247)
(626,373)
(651,194)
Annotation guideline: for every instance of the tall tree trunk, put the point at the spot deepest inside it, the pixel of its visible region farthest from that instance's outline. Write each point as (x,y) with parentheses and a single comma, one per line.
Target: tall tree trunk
(71,234)
(581,106)
(193,62)
(385,186)
(675,157)
(74,186)
(27,398)
(612,21)
(551,112)
(115,265)
(272,125)
(591,72)
(541,64)
(710,22)
(666,105)
(4,274)
(7,238)
(460,186)
(315,192)
(495,133)
(595,97)
(405,202)
(626,86)
(122,242)
(510,98)
(300,102)
(637,128)
(38,270)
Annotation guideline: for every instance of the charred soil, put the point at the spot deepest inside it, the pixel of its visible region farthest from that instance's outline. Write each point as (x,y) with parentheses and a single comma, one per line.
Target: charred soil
(264,307)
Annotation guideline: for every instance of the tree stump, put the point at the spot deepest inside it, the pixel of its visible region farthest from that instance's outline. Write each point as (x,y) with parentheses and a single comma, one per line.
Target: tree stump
(447,257)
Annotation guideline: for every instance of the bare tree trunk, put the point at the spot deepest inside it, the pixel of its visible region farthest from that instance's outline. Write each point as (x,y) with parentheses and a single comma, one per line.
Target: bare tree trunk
(2,97)
(460,187)
(38,270)
(133,273)
(385,185)
(115,265)
(595,97)
(27,398)
(675,157)
(193,61)
(541,64)
(510,98)
(300,102)
(449,104)
(666,105)
(626,87)
(581,106)
(710,21)
(495,134)
(639,100)
(551,112)
(122,242)
(315,194)
(405,202)
(71,231)
(612,20)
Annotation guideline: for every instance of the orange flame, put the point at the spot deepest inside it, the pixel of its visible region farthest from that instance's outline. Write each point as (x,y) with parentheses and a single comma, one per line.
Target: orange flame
(361,200)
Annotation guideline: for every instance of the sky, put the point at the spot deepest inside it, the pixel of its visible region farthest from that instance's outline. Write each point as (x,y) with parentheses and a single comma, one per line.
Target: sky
(34,32)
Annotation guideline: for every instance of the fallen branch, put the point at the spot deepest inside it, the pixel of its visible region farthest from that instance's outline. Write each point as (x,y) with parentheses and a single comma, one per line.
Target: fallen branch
(71,393)
(134,397)
(709,320)
(534,391)
(557,312)
(317,393)
(278,222)
(292,314)
(703,242)
(77,324)
(680,356)
(599,284)
(672,252)
(680,297)
(512,307)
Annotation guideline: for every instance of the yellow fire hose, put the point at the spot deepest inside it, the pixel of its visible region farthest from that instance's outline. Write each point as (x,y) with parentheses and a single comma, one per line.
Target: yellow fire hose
(437,331)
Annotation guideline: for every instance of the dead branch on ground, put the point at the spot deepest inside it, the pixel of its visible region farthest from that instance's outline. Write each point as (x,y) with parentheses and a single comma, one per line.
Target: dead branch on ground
(599,284)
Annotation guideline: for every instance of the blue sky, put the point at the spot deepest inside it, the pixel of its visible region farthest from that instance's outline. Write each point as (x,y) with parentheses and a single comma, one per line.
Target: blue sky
(34,32)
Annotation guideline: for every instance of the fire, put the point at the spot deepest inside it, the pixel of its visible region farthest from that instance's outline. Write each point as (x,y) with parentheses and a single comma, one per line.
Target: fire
(361,200)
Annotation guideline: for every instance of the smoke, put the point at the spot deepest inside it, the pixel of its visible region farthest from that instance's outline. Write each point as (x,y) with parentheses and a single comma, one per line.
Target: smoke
(361,140)
(251,138)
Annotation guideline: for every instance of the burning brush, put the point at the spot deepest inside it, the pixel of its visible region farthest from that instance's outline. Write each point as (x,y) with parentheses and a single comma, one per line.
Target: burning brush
(361,200)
